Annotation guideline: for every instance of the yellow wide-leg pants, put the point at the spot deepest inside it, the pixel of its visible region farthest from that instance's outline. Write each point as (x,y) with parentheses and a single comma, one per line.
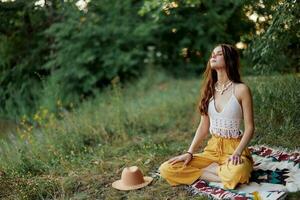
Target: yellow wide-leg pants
(218,150)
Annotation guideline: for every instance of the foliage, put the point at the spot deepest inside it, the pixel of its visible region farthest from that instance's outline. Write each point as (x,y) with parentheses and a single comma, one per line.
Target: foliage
(23,50)
(90,49)
(277,46)
(188,30)
(58,53)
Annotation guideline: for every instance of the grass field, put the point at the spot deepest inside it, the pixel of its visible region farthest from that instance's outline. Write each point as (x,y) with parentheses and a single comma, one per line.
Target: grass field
(78,154)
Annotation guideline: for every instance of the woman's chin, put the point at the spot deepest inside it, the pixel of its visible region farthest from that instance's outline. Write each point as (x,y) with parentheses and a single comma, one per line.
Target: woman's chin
(215,67)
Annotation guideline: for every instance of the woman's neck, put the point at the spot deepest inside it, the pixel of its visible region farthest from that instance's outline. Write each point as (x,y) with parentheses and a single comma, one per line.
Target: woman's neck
(222,77)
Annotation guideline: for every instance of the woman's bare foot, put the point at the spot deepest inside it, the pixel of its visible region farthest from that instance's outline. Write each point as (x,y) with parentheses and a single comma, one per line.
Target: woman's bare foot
(210,173)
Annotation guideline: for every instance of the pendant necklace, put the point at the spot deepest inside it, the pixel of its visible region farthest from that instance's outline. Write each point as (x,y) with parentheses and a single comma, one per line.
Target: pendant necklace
(224,87)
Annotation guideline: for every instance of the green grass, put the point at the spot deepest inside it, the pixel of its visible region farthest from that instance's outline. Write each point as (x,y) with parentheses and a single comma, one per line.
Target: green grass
(143,123)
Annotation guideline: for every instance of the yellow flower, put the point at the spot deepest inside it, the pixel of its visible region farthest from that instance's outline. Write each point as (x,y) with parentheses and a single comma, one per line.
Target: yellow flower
(59,103)
(36,117)
(45,112)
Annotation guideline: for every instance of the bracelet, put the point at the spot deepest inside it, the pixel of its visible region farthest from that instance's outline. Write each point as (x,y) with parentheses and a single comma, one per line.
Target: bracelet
(190,154)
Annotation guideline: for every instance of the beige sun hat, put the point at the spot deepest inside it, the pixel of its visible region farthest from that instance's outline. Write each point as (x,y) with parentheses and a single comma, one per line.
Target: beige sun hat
(132,178)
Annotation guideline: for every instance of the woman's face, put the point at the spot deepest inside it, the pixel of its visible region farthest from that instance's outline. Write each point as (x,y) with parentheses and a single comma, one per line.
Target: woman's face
(217,60)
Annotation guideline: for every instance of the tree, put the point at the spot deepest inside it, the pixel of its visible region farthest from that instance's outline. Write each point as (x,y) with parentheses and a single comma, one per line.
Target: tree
(23,50)
(276,47)
(188,30)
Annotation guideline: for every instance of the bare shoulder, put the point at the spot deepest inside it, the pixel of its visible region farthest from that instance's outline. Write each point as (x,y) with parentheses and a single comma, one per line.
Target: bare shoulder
(242,91)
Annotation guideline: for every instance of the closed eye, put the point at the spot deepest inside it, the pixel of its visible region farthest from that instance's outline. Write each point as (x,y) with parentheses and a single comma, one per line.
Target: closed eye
(218,54)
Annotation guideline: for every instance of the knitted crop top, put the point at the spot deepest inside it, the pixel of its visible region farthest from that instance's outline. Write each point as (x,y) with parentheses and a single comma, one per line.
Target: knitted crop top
(227,122)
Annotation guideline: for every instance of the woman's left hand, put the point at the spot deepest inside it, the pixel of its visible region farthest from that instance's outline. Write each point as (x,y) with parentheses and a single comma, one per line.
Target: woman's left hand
(235,159)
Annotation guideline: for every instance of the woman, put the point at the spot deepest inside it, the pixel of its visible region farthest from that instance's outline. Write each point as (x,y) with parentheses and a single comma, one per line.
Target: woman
(225,101)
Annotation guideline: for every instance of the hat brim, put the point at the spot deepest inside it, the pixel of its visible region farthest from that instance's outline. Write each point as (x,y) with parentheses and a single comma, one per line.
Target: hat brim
(121,186)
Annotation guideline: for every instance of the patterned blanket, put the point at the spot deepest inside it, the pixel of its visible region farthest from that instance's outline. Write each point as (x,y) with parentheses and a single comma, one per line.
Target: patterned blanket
(276,172)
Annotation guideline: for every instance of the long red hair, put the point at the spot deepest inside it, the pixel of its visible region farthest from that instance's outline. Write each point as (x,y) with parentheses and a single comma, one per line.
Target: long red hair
(232,62)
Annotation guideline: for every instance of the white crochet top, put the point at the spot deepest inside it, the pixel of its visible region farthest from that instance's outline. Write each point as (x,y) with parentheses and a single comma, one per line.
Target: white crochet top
(227,122)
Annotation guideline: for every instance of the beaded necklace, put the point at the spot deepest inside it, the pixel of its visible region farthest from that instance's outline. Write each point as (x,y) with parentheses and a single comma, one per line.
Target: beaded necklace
(224,86)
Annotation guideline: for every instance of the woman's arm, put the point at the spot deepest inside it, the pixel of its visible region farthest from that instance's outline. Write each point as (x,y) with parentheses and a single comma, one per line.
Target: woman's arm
(247,107)
(201,133)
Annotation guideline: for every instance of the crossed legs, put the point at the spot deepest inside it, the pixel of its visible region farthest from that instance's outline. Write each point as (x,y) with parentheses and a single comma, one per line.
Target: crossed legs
(206,166)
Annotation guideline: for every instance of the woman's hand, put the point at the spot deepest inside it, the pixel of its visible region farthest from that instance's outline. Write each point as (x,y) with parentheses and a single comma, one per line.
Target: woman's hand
(235,159)
(187,157)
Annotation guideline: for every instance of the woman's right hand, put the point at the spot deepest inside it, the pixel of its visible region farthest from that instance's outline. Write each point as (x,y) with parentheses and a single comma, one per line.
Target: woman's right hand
(184,157)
